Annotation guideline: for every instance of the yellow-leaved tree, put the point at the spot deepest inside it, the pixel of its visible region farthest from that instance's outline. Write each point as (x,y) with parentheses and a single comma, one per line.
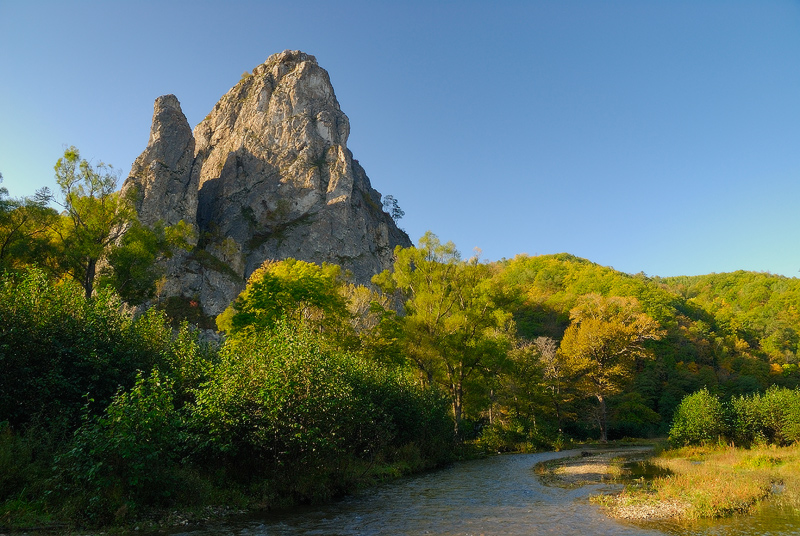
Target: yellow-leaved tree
(603,344)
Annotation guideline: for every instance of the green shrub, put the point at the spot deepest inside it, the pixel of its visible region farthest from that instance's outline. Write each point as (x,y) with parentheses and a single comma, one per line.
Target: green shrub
(56,346)
(275,397)
(519,435)
(746,421)
(26,461)
(769,418)
(124,459)
(698,419)
(177,351)
(283,406)
(416,415)
(277,406)
(277,415)
(781,409)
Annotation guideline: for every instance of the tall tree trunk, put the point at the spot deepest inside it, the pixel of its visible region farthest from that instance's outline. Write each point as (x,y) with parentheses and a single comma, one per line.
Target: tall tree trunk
(558,415)
(458,400)
(491,406)
(603,419)
(88,279)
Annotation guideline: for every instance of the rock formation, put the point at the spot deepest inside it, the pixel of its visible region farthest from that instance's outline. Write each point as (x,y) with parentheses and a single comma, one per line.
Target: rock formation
(266,175)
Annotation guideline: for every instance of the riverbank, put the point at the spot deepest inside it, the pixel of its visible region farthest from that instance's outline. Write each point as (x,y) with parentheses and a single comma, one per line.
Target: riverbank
(215,504)
(711,482)
(684,484)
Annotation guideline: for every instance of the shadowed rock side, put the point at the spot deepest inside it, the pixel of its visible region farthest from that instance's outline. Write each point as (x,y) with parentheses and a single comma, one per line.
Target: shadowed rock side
(266,175)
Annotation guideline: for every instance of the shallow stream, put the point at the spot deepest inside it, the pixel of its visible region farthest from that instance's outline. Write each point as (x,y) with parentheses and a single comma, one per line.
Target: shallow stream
(494,496)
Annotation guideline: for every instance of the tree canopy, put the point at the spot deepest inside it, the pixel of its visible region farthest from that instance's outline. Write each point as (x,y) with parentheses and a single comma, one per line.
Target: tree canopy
(25,225)
(603,343)
(299,291)
(454,327)
(95,216)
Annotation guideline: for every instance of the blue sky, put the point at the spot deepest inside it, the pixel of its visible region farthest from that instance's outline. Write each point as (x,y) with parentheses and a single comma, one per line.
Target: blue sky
(654,136)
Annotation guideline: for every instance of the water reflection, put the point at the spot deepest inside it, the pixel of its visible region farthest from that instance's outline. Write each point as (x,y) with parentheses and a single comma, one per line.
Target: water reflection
(495,496)
(769,521)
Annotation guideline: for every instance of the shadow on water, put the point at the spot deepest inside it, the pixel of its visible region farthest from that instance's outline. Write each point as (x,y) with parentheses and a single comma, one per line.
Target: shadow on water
(769,520)
(496,496)
(643,469)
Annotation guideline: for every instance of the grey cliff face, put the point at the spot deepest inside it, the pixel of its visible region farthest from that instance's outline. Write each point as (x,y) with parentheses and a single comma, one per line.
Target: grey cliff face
(266,175)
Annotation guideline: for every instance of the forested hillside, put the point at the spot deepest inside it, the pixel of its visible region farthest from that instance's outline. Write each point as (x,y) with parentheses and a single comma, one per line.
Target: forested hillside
(733,333)
(760,309)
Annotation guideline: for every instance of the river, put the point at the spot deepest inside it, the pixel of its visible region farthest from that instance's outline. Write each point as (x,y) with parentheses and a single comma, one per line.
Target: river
(493,496)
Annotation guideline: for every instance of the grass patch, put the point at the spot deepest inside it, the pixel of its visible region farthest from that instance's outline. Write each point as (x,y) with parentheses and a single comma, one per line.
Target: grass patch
(711,482)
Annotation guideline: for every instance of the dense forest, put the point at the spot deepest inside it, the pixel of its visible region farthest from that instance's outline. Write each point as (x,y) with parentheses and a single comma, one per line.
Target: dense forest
(113,403)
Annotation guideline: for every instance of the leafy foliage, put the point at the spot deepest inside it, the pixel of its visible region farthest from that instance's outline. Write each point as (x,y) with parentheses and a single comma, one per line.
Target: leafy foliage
(772,418)
(98,237)
(698,419)
(299,291)
(133,263)
(602,345)
(157,413)
(283,401)
(391,206)
(769,418)
(24,228)
(454,327)
(56,347)
(759,310)
(278,398)
(709,341)
(94,218)
(122,458)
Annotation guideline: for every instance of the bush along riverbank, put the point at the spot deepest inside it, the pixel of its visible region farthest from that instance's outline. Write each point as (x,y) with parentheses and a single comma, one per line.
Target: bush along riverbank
(270,418)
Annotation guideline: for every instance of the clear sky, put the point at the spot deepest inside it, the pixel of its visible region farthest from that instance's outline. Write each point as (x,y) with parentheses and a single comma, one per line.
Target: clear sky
(654,136)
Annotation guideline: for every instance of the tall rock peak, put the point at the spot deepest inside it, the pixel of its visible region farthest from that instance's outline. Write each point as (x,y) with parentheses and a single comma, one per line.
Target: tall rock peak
(266,175)
(162,174)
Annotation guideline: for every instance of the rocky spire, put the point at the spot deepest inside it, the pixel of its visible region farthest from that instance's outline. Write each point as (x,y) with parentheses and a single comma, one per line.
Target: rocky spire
(162,175)
(266,175)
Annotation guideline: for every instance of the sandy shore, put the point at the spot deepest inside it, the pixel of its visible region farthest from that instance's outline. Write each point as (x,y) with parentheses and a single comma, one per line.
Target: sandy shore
(597,466)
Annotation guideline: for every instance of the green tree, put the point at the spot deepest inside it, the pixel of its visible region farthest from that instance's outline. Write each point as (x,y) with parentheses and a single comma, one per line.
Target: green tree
(24,226)
(377,327)
(133,266)
(392,208)
(100,238)
(454,329)
(520,394)
(700,418)
(95,216)
(603,344)
(302,292)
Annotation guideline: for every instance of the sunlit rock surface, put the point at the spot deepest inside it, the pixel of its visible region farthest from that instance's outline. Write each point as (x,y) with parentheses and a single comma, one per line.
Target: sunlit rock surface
(266,175)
